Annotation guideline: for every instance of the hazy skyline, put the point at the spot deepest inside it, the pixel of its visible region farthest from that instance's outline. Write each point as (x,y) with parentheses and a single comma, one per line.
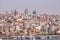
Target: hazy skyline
(41,6)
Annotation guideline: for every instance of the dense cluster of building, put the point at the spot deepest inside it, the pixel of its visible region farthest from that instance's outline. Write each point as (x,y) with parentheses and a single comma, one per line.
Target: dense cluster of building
(24,24)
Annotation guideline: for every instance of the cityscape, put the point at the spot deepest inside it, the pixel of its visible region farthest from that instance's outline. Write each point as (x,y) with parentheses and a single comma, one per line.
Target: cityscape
(25,24)
(29,19)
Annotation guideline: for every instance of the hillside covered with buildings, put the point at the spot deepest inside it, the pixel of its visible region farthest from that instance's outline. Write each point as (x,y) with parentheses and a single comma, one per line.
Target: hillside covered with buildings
(25,24)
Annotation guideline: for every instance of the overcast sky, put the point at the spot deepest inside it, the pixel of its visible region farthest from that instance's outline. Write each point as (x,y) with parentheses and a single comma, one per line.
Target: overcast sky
(41,6)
